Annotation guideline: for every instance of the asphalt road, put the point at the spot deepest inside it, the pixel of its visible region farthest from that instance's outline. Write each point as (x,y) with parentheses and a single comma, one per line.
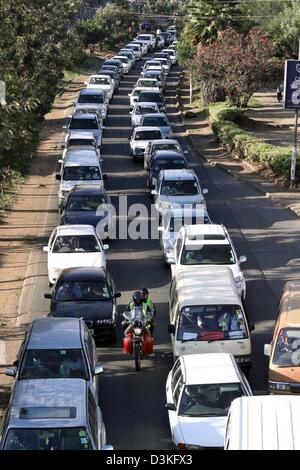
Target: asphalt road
(133,402)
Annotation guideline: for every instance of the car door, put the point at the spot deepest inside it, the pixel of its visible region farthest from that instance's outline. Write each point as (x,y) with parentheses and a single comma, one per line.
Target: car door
(176,387)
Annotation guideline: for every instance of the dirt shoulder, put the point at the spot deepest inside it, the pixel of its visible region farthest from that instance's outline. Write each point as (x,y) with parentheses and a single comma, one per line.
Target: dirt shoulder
(26,226)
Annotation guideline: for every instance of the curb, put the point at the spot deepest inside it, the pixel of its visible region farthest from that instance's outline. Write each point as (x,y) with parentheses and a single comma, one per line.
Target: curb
(278,201)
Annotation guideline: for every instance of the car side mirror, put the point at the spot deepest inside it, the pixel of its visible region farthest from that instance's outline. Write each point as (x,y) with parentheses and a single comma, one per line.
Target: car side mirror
(58,177)
(242,259)
(47,295)
(105,247)
(46,249)
(160,229)
(62,146)
(10,372)
(86,83)
(130,112)
(102,128)
(65,127)
(205,191)
(105,176)
(116,295)
(60,160)
(170,406)
(98,370)
(251,327)
(171,329)
(267,350)
(154,192)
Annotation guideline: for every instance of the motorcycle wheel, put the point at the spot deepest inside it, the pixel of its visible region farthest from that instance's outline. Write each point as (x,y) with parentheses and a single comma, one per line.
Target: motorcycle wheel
(137,357)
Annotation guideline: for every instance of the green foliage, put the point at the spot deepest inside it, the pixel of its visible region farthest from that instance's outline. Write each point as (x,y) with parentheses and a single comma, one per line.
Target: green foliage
(243,144)
(284,30)
(110,28)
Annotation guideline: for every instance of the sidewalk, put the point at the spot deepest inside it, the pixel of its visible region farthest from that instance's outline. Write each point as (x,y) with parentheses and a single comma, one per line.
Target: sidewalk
(204,142)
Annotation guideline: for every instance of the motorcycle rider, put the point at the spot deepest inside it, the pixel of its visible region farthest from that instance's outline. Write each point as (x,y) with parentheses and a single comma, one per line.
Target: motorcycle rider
(150,305)
(137,301)
(279,92)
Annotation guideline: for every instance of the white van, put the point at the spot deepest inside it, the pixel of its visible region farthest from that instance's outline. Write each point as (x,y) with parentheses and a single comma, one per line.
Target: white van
(266,422)
(207,314)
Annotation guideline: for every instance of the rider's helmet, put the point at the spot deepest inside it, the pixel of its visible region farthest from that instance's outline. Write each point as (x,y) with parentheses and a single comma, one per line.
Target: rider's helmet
(137,297)
(145,293)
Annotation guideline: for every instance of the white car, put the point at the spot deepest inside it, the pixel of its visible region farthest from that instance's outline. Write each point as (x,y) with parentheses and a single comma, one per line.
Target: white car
(101,82)
(158,120)
(152,65)
(172,54)
(208,245)
(140,138)
(126,62)
(171,224)
(134,95)
(199,390)
(144,46)
(137,49)
(139,110)
(73,246)
(151,83)
(80,141)
(148,39)
(93,97)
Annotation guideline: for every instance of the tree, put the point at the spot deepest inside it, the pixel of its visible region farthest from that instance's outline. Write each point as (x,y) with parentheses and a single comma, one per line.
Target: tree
(237,63)
(284,30)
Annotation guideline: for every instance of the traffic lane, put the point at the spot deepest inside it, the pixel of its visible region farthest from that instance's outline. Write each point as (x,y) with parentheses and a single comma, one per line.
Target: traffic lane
(133,402)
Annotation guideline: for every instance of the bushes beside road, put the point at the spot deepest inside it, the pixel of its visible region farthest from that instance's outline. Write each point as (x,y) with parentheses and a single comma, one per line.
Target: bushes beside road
(244,145)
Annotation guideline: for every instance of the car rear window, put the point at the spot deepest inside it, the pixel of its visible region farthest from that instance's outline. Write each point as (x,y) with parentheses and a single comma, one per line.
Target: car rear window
(83,123)
(97,98)
(148,135)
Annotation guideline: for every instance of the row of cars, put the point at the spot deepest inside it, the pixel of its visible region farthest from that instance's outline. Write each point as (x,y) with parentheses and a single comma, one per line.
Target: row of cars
(209,326)
(54,404)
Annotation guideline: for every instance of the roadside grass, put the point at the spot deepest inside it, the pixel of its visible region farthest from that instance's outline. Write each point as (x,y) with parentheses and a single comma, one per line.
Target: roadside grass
(254,103)
(10,192)
(245,145)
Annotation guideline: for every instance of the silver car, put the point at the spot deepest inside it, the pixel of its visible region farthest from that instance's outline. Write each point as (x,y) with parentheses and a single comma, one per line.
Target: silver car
(158,120)
(171,223)
(49,343)
(53,414)
(139,110)
(140,138)
(87,122)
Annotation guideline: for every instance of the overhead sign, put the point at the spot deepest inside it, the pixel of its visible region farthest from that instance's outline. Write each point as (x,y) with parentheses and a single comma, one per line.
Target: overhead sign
(292,84)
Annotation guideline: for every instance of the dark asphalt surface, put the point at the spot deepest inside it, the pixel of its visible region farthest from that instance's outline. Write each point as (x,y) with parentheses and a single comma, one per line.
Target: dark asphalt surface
(133,402)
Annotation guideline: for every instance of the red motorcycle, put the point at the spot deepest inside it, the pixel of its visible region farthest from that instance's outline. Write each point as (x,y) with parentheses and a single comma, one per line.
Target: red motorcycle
(137,338)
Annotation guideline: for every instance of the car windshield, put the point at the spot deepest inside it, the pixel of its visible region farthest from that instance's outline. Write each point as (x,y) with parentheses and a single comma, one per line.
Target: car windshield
(179,188)
(85,203)
(48,439)
(208,399)
(168,164)
(144,37)
(91,99)
(148,83)
(154,97)
(76,244)
(177,222)
(84,123)
(81,142)
(147,135)
(211,323)
(74,173)
(87,291)
(167,146)
(154,75)
(53,364)
(207,254)
(287,348)
(145,109)
(99,81)
(158,121)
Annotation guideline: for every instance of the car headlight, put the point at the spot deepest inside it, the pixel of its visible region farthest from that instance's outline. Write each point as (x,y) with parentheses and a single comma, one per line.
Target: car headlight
(238,281)
(183,446)
(280,386)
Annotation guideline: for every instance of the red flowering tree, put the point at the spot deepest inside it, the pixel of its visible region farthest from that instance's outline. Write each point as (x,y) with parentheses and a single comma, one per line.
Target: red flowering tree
(236,63)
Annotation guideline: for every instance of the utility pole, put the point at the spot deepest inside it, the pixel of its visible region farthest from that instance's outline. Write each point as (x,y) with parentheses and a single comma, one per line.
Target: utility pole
(295,143)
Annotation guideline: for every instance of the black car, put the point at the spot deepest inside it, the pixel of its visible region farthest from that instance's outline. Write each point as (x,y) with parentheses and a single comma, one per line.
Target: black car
(153,97)
(116,63)
(90,294)
(164,160)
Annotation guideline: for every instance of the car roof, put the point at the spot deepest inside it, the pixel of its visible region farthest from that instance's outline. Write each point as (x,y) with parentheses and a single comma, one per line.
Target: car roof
(74,229)
(165,141)
(46,393)
(79,274)
(82,153)
(84,116)
(146,128)
(205,234)
(152,91)
(215,283)
(55,333)
(209,368)
(81,159)
(91,91)
(86,190)
(182,174)
(155,115)
(290,316)
(265,422)
(98,75)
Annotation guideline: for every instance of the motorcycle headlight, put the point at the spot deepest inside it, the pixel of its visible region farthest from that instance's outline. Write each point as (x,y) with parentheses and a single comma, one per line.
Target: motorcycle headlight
(137,330)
